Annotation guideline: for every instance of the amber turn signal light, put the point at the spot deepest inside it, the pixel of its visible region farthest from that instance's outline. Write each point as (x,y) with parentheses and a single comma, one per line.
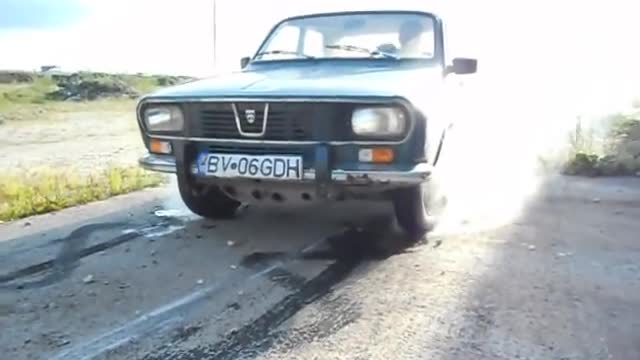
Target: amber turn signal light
(376,155)
(160,147)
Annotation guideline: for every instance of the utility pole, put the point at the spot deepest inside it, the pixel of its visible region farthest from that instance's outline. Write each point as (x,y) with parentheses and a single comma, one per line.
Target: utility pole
(215,52)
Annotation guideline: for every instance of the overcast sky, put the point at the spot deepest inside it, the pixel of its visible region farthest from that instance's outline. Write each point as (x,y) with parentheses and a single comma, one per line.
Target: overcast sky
(587,50)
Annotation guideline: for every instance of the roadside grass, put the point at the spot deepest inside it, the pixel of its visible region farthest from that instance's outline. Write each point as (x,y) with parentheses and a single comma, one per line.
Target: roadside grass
(52,110)
(39,191)
(28,102)
(26,93)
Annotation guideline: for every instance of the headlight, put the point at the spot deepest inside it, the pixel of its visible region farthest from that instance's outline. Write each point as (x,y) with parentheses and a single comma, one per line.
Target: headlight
(164,118)
(378,121)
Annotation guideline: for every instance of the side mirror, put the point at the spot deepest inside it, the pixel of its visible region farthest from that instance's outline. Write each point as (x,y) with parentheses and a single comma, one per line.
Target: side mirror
(463,66)
(244,62)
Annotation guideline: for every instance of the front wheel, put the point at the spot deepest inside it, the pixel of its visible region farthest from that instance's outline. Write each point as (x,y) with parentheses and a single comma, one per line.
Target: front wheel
(418,208)
(207,201)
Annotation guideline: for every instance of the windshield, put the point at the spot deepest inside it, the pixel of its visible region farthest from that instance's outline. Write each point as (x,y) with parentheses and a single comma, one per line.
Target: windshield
(396,35)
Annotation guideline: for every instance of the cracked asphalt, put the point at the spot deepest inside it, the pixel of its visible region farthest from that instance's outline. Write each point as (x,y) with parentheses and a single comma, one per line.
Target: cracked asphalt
(139,277)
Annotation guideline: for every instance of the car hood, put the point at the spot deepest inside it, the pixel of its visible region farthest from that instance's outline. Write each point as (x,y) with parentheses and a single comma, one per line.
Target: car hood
(314,80)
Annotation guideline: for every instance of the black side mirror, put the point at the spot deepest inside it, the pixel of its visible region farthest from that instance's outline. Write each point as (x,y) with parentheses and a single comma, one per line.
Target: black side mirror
(244,62)
(463,66)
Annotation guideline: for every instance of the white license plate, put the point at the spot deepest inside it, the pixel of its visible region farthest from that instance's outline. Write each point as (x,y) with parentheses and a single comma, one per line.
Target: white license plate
(251,166)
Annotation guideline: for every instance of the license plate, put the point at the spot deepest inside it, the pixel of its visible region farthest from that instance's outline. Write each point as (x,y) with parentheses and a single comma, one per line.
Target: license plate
(251,166)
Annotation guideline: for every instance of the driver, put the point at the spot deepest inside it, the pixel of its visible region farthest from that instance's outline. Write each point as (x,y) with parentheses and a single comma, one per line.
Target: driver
(409,38)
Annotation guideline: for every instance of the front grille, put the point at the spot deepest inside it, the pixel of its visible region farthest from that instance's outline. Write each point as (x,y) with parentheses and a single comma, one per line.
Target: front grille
(256,150)
(285,121)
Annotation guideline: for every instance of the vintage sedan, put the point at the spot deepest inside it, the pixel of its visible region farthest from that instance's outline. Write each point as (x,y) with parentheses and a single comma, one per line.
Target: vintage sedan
(332,107)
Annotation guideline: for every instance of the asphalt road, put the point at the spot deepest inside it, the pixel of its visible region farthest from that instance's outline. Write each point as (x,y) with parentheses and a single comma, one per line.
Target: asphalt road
(138,277)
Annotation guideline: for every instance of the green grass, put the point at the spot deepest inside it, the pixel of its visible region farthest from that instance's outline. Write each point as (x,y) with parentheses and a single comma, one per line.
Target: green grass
(15,95)
(57,110)
(45,190)
(28,101)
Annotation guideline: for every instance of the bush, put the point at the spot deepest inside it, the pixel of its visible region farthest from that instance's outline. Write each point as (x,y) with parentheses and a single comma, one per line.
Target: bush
(90,87)
(582,164)
(167,81)
(616,152)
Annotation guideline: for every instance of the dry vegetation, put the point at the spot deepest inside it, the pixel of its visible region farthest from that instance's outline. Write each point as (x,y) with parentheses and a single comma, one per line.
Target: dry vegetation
(38,191)
(610,148)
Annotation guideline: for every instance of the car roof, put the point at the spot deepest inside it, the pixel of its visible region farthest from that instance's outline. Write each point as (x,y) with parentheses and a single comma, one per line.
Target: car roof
(360,12)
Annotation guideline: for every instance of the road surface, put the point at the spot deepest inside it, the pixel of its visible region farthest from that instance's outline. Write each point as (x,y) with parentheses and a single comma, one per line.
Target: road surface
(139,277)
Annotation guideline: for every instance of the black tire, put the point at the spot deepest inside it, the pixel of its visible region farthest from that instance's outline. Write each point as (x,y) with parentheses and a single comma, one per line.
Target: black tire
(207,201)
(417,208)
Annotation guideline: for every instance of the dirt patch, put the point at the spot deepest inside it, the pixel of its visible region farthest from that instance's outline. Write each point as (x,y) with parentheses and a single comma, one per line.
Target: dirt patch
(83,141)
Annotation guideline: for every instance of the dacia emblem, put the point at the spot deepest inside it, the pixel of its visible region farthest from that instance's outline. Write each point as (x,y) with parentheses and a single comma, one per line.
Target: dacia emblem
(250,115)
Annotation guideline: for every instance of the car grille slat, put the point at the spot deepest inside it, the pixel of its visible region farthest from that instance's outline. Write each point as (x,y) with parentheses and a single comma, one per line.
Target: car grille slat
(285,121)
(255,150)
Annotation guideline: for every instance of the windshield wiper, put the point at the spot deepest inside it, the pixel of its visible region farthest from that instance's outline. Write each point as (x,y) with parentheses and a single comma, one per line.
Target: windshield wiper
(362,50)
(284,52)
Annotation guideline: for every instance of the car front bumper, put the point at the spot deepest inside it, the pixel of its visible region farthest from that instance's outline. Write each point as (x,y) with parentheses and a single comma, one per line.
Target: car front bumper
(414,176)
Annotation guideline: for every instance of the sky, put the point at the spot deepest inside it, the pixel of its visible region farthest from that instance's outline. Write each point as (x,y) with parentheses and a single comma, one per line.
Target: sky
(585,53)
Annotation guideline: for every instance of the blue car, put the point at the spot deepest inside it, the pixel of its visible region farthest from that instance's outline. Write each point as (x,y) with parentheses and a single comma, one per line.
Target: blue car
(332,107)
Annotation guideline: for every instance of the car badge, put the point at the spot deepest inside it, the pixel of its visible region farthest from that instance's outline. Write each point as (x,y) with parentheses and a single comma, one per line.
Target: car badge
(250,115)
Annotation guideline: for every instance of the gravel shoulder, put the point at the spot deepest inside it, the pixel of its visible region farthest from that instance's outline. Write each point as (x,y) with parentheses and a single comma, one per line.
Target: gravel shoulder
(83,140)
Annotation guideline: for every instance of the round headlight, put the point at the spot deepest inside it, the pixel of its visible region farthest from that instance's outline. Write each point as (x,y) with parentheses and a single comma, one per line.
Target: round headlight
(378,121)
(164,118)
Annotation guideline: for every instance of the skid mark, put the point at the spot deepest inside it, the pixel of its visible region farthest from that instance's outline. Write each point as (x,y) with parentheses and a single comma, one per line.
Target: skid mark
(348,249)
(255,337)
(333,316)
(286,279)
(150,323)
(70,252)
(73,249)
(158,321)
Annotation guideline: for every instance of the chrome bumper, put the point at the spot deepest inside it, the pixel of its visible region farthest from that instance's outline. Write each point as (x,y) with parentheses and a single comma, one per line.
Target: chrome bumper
(159,163)
(417,175)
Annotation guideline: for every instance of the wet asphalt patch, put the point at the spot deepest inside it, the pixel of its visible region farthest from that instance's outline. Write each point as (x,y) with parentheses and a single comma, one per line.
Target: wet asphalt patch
(72,250)
(348,250)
